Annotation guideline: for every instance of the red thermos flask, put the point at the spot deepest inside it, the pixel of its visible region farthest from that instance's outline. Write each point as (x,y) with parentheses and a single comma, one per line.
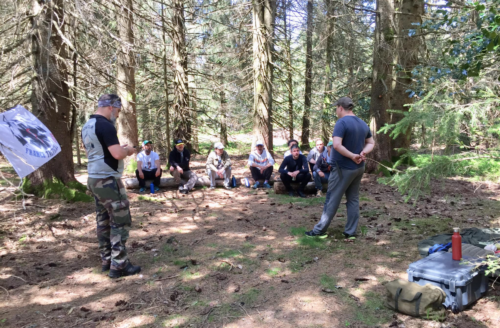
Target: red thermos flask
(456,245)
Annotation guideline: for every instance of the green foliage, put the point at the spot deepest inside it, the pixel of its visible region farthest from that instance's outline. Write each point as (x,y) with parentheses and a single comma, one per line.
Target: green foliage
(415,181)
(73,191)
(132,166)
(328,282)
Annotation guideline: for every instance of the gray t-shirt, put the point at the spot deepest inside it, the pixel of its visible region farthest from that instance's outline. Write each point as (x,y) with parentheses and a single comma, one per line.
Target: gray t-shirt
(97,135)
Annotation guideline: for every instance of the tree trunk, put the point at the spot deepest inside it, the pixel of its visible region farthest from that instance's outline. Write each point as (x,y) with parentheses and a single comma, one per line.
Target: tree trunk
(223,115)
(326,131)
(165,80)
(125,76)
(381,81)
(408,49)
(289,81)
(50,99)
(306,118)
(264,13)
(181,86)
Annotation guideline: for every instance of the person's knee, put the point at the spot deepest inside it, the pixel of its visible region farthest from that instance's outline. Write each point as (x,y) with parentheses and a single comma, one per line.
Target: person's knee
(315,174)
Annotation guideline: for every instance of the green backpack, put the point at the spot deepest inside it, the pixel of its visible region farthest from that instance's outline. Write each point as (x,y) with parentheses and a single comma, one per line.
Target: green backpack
(415,300)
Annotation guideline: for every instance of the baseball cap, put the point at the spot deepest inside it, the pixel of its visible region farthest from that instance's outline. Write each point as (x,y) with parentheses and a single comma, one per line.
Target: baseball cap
(259,143)
(219,145)
(178,142)
(330,144)
(345,102)
(145,142)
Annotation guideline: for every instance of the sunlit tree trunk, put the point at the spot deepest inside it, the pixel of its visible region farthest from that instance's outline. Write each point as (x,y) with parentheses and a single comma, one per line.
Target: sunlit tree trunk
(289,80)
(165,80)
(50,98)
(264,13)
(382,81)
(326,116)
(125,75)
(306,118)
(181,86)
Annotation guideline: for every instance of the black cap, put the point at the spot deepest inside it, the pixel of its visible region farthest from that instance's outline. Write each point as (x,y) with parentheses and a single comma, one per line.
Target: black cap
(178,142)
(345,102)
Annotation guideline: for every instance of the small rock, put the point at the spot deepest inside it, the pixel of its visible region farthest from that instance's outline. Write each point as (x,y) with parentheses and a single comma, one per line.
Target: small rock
(264,228)
(84,309)
(198,289)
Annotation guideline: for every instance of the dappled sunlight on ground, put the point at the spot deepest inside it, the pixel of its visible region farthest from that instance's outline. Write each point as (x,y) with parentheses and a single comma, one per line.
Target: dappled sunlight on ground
(234,258)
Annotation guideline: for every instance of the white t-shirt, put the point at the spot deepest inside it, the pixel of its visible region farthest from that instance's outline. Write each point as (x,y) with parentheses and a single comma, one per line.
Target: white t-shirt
(148,161)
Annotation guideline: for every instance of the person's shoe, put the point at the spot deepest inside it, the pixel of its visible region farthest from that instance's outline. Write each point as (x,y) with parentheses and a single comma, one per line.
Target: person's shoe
(184,191)
(301,194)
(211,188)
(267,185)
(348,236)
(105,267)
(142,190)
(312,234)
(319,193)
(256,185)
(129,270)
(292,193)
(157,189)
(228,187)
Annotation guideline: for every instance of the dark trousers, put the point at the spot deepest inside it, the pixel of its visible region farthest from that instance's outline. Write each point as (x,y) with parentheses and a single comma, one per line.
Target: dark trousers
(302,178)
(256,175)
(148,175)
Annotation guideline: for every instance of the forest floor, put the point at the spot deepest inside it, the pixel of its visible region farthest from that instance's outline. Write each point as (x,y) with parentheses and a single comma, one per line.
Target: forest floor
(233,258)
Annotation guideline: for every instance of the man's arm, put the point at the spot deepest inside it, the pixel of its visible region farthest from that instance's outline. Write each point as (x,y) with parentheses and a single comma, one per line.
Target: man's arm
(369,144)
(157,164)
(337,145)
(139,166)
(305,165)
(120,152)
(283,166)
(228,161)
(171,160)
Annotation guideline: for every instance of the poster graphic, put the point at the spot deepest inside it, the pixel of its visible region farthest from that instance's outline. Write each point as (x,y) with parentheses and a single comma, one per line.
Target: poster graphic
(25,141)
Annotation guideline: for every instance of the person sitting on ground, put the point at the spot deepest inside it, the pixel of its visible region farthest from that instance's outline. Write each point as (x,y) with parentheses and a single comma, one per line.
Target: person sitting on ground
(179,167)
(290,143)
(219,165)
(321,169)
(294,168)
(148,167)
(261,165)
(314,154)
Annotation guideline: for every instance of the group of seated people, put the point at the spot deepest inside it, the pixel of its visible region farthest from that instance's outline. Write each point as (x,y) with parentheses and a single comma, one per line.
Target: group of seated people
(294,168)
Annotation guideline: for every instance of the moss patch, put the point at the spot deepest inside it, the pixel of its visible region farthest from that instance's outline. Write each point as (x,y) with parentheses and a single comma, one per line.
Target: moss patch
(55,189)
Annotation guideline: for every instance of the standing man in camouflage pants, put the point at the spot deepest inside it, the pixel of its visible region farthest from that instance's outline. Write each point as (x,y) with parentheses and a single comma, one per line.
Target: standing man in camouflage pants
(105,166)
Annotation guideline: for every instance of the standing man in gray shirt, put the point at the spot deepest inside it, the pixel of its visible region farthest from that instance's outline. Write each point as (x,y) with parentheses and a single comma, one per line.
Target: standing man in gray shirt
(105,167)
(352,141)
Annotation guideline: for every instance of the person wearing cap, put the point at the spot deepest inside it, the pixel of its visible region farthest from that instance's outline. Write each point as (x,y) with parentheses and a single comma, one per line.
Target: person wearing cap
(294,168)
(261,165)
(321,169)
(148,166)
(179,166)
(314,154)
(219,165)
(352,141)
(105,167)
(290,143)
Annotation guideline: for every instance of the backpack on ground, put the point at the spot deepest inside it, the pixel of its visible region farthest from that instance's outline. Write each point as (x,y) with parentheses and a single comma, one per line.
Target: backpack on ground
(415,300)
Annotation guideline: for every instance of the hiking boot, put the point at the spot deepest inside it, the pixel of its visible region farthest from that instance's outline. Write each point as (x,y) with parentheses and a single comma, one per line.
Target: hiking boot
(292,193)
(142,190)
(157,189)
(184,191)
(129,270)
(301,194)
(267,185)
(312,234)
(319,193)
(256,185)
(105,267)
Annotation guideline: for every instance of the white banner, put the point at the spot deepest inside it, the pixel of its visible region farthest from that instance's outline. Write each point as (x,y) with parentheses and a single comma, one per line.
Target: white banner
(25,141)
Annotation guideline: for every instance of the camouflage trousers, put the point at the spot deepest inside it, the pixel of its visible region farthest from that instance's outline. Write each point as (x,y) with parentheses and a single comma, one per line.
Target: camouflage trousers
(113,220)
